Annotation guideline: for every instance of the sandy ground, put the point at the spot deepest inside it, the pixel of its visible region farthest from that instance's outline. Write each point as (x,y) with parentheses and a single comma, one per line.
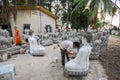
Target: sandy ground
(45,68)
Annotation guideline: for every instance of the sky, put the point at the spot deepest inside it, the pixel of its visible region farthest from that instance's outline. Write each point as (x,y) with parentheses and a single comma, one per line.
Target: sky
(116,18)
(118,2)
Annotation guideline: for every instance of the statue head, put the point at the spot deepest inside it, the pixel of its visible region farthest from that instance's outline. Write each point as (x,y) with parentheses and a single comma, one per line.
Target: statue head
(89,28)
(4,33)
(87,37)
(99,34)
(31,32)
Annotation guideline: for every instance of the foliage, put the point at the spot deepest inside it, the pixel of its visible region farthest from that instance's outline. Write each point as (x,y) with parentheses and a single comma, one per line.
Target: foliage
(5,12)
(67,9)
(46,3)
(18,2)
(24,2)
(115,28)
(80,20)
(105,6)
(98,24)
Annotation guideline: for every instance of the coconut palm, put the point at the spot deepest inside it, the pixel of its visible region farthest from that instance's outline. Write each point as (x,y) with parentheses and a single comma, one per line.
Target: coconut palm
(104,6)
(113,11)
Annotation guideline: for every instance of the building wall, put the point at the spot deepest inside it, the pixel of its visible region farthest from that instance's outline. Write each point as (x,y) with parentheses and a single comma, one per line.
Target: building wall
(33,18)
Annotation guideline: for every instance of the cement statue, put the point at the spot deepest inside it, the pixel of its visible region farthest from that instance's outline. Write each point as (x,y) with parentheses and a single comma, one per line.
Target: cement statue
(96,46)
(35,49)
(5,40)
(80,65)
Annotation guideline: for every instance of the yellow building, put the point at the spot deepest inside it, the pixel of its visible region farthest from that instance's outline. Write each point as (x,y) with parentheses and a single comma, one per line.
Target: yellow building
(36,18)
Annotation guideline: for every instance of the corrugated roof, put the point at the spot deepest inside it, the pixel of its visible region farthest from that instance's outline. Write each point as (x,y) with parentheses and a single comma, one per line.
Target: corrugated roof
(46,11)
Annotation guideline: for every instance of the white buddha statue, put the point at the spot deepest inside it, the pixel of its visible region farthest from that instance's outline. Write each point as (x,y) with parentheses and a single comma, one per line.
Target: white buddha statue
(89,29)
(35,49)
(80,65)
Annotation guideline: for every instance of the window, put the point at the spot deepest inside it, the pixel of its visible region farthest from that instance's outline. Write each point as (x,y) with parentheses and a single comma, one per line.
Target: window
(26,26)
(48,28)
(4,26)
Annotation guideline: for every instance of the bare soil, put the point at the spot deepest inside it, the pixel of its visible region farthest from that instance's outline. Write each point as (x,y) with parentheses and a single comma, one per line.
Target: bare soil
(110,58)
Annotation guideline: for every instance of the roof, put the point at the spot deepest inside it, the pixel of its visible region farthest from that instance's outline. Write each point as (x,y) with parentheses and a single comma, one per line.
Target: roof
(46,11)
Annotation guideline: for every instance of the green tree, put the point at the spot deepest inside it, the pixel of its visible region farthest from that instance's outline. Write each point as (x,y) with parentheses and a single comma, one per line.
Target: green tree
(66,9)
(6,11)
(80,21)
(24,2)
(113,11)
(105,6)
(46,3)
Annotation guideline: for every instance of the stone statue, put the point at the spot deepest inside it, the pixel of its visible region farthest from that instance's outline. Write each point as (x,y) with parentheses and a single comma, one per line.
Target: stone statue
(104,39)
(0,31)
(96,46)
(80,65)
(96,50)
(89,29)
(5,40)
(6,45)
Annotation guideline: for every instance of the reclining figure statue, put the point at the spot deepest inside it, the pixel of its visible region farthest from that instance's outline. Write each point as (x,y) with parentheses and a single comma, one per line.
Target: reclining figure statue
(80,65)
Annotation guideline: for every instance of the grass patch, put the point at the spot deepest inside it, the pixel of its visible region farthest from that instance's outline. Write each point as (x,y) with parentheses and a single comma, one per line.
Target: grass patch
(116,36)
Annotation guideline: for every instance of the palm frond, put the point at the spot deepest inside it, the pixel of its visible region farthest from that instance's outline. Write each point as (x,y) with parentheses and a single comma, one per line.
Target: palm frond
(80,5)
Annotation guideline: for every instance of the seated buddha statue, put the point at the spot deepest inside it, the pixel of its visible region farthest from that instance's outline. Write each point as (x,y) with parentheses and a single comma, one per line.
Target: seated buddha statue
(80,64)
(35,49)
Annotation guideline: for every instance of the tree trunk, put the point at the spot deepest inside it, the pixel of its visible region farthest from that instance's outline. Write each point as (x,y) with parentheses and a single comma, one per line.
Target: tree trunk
(94,22)
(112,14)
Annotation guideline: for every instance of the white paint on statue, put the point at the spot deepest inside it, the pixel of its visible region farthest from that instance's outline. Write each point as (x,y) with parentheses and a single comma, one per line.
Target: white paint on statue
(81,62)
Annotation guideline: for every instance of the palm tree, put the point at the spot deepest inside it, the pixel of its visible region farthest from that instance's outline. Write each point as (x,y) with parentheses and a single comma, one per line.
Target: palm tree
(105,6)
(67,8)
(113,12)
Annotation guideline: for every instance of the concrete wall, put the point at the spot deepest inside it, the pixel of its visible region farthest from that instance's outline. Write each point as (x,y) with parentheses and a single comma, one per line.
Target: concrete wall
(34,19)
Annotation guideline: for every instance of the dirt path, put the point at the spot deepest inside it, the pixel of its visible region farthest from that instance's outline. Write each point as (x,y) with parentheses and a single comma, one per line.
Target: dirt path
(110,59)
